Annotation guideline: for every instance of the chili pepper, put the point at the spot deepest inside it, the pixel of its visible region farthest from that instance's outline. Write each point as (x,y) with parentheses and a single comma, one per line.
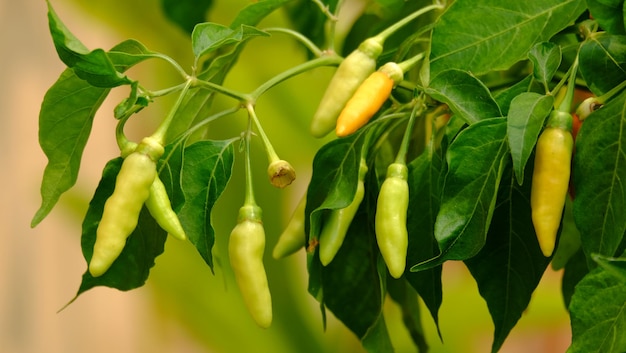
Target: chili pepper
(160,207)
(334,231)
(368,99)
(122,208)
(390,220)
(550,181)
(293,237)
(353,70)
(245,248)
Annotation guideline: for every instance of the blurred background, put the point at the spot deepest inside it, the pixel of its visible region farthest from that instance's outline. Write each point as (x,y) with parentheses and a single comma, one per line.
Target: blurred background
(184,307)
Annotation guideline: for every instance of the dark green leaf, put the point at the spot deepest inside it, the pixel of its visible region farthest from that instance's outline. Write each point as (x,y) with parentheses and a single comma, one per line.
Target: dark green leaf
(609,14)
(510,265)
(598,314)
(209,36)
(206,170)
(505,96)
(408,301)
(253,13)
(603,62)
(377,339)
(476,160)
(569,239)
(546,58)
(186,13)
(525,121)
(94,66)
(612,265)
(484,35)
(131,269)
(424,190)
(307,19)
(65,121)
(575,270)
(452,87)
(599,169)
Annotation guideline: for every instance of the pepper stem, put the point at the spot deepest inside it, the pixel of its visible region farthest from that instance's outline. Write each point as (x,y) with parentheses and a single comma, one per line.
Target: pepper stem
(249,198)
(382,36)
(272,156)
(160,133)
(566,103)
(418,109)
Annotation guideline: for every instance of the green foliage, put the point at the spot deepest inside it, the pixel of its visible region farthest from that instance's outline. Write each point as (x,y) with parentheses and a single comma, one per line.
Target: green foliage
(494,72)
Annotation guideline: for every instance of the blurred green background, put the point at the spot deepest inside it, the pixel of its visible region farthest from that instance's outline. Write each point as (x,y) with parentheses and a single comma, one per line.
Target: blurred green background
(184,307)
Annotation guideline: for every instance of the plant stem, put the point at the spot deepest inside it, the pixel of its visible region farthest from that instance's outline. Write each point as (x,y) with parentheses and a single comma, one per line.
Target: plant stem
(306,66)
(566,103)
(166,91)
(382,36)
(408,64)
(174,63)
(161,131)
(304,40)
(249,198)
(404,146)
(272,156)
(220,89)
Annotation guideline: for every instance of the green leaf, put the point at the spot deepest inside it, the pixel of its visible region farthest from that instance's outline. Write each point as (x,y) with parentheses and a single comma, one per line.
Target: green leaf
(575,270)
(377,340)
(306,17)
(510,265)
(131,269)
(65,121)
(94,66)
(612,265)
(598,314)
(424,190)
(253,13)
(505,96)
(525,121)
(334,180)
(452,87)
(599,169)
(206,170)
(485,35)
(129,53)
(546,58)
(209,36)
(476,160)
(186,13)
(602,61)
(408,301)
(609,14)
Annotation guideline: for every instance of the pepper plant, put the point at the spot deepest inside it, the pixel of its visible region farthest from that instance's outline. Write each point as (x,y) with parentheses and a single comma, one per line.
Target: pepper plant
(440,169)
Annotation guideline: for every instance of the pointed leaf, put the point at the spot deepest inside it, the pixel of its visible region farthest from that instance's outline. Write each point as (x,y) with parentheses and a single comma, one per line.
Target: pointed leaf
(599,171)
(65,121)
(510,266)
(206,170)
(209,36)
(609,14)
(93,66)
(485,35)
(505,96)
(253,13)
(602,59)
(476,160)
(408,301)
(131,269)
(424,191)
(546,58)
(525,121)
(598,314)
(186,13)
(452,87)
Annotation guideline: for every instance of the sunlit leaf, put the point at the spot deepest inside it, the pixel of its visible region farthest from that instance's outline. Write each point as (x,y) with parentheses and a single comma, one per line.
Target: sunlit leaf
(452,87)
(525,121)
(210,36)
(484,35)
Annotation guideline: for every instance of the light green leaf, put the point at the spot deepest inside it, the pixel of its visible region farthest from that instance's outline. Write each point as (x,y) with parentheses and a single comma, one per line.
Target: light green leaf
(452,87)
(525,121)
(485,35)
(93,66)
(209,36)
(476,160)
(598,314)
(603,62)
(206,170)
(546,58)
